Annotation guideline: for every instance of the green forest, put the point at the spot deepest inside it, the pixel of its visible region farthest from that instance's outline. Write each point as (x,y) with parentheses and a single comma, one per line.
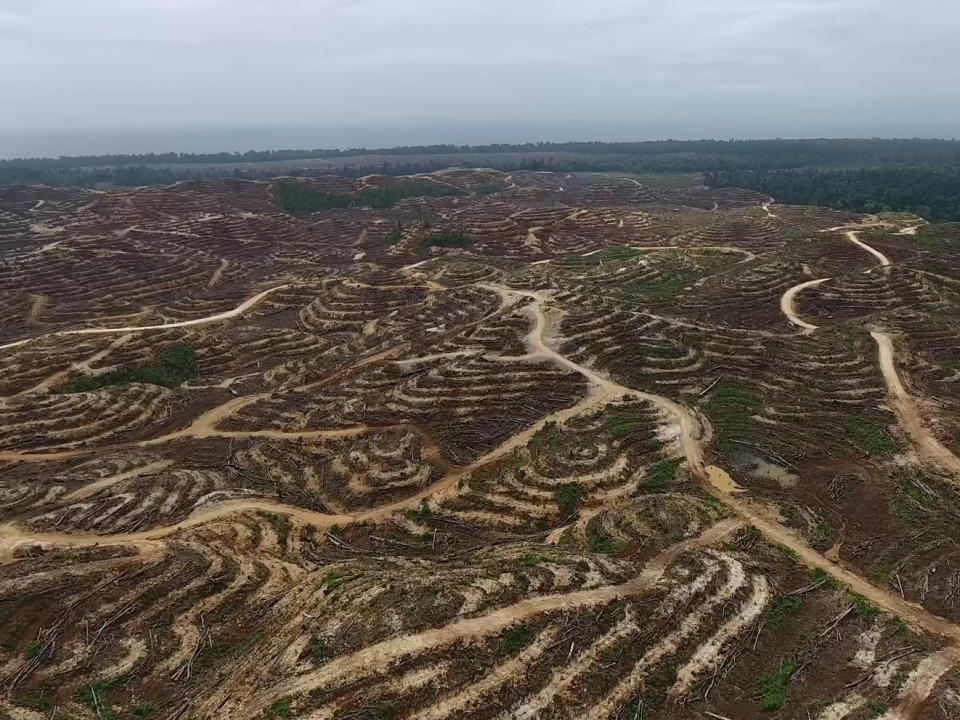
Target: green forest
(931,192)
(867,175)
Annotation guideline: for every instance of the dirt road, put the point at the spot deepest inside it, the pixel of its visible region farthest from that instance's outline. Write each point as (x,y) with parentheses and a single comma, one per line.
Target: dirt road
(239,310)
(907,412)
(378,658)
(787,304)
(883,259)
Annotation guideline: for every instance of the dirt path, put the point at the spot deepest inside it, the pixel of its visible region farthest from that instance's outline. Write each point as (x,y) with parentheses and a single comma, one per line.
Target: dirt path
(852,236)
(83,366)
(747,255)
(788,308)
(239,310)
(218,273)
(378,658)
(718,481)
(912,613)
(907,412)
(691,430)
(12,536)
(36,307)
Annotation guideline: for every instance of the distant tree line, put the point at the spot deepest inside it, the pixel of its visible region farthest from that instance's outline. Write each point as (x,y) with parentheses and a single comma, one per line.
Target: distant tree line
(869,175)
(932,192)
(723,154)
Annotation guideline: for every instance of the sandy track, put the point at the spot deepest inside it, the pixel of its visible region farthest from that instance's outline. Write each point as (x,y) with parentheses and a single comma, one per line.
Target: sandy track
(239,310)
(12,536)
(36,307)
(715,479)
(912,613)
(852,236)
(728,249)
(691,430)
(218,273)
(378,658)
(907,412)
(788,308)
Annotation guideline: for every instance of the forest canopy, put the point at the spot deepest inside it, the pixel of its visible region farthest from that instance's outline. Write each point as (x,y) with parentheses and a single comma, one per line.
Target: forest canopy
(865,175)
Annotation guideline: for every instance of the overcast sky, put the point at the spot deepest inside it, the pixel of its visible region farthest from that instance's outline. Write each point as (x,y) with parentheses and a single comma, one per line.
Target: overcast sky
(386,71)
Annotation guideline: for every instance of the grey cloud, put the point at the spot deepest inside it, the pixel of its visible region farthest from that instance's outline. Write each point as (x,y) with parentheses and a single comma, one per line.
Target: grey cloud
(842,66)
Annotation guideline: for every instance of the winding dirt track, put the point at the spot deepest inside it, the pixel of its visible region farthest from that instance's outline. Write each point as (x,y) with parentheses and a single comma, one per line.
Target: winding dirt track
(717,481)
(908,414)
(604,390)
(852,235)
(226,315)
(787,304)
(904,406)
(378,658)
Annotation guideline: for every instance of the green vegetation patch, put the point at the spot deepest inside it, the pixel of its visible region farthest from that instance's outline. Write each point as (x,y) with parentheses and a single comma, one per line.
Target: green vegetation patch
(661,473)
(568,497)
(732,403)
(96,696)
(598,541)
(773,686)
(515,639)
(335,578)
(676,271)
(280,709)
(869,437)
(622,423)
(448,238)
(174,367)
(782,609)
(864,609)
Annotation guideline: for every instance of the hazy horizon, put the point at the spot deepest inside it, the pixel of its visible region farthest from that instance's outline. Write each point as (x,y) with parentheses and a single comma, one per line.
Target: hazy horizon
(206,75)
(53,144)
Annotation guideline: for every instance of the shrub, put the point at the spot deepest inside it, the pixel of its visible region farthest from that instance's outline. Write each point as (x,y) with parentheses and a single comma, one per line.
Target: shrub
(568,497)
(172,369)
(773,686)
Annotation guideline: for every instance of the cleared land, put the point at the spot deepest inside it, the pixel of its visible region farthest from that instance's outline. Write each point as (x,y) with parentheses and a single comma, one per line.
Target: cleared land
(475,444)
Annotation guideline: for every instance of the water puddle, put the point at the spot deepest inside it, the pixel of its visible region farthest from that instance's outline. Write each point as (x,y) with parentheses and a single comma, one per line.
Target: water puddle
(721,480)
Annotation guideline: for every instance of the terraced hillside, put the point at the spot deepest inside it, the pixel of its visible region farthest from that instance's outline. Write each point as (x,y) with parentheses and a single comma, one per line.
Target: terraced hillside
(478,445)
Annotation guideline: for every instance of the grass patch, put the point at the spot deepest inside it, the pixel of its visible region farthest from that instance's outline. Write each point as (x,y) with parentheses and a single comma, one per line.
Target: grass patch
(529,560)
(863,607)
(170,370)
(599,542)
(515,639)
(869,437)
(773,686)
(335,578)
(568,497)
(96,696)
(623,423)
(783,609)
(280,709)
(661,473)
(731,403)
(320,652)
(445,239)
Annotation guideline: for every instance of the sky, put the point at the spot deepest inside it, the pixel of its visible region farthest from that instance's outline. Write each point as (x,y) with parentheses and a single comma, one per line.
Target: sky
(80,76)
